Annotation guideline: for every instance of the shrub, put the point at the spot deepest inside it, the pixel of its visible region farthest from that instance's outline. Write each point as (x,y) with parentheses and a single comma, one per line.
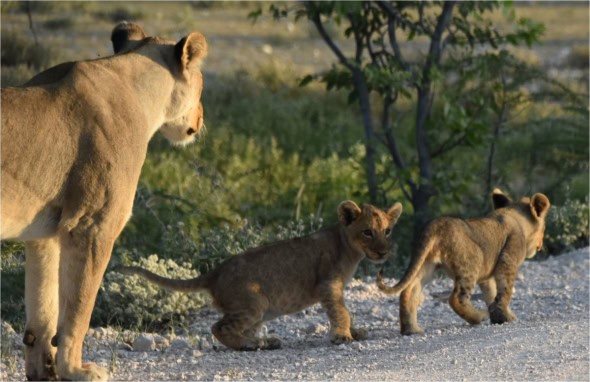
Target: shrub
(131,301)
(12,288)
(63,23)
(120,14)
(567,226)
(18,50)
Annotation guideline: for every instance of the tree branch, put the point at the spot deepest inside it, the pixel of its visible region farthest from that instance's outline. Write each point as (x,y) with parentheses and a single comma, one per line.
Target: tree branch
(315,18)
(391,30)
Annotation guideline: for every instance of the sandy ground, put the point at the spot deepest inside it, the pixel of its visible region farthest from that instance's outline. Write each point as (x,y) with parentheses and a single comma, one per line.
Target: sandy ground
(550,340)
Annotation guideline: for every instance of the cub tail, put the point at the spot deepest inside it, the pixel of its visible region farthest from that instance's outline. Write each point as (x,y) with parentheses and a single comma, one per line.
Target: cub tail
(188,285)
(411,273)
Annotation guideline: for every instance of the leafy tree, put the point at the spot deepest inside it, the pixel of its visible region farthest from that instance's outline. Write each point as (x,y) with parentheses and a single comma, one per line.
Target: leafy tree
(382,34)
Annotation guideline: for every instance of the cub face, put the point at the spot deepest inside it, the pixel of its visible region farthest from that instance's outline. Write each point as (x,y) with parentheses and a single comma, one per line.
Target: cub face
(534,209)
(184,113)
(369,229)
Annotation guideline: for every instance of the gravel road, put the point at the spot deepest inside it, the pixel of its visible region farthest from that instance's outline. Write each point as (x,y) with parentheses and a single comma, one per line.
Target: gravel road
(550,340)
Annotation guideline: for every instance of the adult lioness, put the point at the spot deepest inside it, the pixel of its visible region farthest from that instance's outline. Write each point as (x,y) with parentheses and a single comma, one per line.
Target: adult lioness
(74,139)
(290,275)
(486,251)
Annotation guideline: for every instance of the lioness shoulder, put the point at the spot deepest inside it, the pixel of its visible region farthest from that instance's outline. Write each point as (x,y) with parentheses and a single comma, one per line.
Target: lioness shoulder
(288,276)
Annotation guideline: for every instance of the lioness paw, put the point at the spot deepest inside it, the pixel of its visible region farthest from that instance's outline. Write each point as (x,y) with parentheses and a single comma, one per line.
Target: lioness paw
(88,372)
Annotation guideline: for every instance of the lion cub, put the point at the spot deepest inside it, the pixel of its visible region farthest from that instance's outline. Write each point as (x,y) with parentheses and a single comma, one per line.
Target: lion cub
(485,251)
(288,276)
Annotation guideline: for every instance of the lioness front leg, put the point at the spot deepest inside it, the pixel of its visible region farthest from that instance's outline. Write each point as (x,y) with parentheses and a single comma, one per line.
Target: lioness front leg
(332,299)
(41,302)
(84,258)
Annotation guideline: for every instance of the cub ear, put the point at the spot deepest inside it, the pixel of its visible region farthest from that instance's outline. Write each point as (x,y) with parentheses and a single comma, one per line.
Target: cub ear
(190,51)
(395,212)
(125,32)
(348,211)
(499,199)
(540,205)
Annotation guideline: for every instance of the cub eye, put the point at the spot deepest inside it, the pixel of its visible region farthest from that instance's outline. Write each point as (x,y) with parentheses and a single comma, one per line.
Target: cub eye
(387,231)
(368,233)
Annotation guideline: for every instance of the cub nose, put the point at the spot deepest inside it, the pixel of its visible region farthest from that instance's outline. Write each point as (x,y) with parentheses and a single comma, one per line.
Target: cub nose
(382,254)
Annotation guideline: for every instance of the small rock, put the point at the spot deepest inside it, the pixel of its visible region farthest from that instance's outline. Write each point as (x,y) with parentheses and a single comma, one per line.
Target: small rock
(125,346)
(179,343)
(316,329)
(100,333)
(144,343)
(161,342)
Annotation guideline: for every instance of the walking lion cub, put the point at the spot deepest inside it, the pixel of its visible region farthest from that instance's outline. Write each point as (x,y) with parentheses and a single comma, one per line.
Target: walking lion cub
(485,251)
(288,276)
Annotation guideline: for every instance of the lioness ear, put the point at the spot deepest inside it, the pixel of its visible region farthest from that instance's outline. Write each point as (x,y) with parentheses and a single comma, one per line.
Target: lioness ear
(395,212)
(540,205)
(499,199)
(190,51)
(348,211)
(125,32)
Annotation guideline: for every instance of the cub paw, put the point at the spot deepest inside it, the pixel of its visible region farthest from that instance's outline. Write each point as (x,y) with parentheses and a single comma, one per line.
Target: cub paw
(499,316)
(272,343)
(340,339)
(359,334)
(411,330)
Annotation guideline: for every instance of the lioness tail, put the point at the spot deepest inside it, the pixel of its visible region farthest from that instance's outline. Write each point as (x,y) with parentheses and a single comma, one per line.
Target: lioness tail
(411,272)
(189,285)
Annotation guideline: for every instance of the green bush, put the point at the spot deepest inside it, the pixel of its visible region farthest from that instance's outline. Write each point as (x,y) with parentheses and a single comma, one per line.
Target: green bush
(567,226)
(120,14)
(12,284)
(133,302)
(19,50)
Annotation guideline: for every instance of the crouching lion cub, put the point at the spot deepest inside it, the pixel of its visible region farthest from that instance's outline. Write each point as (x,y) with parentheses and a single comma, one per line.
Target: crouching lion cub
(288,276)
(485,251)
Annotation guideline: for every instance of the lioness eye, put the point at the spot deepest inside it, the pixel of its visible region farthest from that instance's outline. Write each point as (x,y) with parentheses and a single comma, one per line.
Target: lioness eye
(387,231)
(368,233)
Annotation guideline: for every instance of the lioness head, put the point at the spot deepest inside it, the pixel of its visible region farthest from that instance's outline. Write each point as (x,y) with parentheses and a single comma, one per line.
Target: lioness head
(369,228)
(534,209)
(184,112)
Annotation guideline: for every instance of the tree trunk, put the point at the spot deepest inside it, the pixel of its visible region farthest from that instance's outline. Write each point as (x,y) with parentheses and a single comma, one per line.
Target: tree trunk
(363,94)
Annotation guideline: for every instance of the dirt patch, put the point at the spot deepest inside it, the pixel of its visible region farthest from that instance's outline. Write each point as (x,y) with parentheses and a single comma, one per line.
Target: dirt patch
(550,340)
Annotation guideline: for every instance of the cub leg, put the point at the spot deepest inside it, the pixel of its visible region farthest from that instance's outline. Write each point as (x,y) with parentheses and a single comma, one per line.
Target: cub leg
(239,331)
(268,343)
(332,299)
(41,301)
(488,288)
(460,301)
(85,253)
(409,302)
(500,312)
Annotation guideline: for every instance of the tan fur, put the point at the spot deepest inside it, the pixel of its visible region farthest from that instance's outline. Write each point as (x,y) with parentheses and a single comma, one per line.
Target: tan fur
(288,276)
(74,139)
(485,251)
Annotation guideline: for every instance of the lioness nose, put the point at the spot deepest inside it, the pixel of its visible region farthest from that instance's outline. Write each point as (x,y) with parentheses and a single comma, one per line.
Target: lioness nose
(382,254)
